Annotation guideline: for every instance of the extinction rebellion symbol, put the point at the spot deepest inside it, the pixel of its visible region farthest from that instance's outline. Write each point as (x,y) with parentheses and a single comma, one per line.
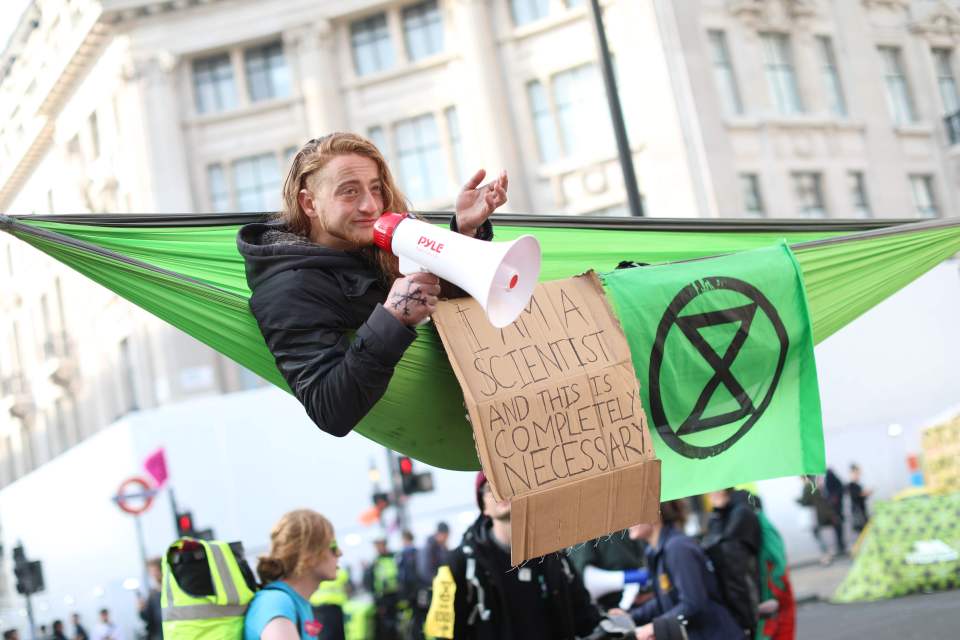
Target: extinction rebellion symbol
(760,336)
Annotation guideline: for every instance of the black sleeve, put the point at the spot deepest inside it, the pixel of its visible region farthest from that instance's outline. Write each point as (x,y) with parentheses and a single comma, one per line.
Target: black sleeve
(336,379)
(586,615)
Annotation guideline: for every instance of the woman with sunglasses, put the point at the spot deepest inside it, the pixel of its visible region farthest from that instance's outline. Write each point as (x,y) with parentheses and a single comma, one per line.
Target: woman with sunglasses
(303,553)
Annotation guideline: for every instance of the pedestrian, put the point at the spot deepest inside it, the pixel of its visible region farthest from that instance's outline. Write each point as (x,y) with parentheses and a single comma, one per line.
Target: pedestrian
(823,514)
(834,491)
(106,629)
(686,594)
(328,602)
(149,607)
(303,553)
(333,308)
(732,543)
(409,582)
(858,500)
(58,633)
(542,599)
(429,559)
(79,632)
(42,634)
(382,579)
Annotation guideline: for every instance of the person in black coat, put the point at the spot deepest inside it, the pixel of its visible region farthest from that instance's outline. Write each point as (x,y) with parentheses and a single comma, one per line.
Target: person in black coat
(544,599)
(686,593)
(333,309)
(732,543)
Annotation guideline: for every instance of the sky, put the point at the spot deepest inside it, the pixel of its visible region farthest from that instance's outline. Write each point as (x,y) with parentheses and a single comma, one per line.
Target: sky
(10,11)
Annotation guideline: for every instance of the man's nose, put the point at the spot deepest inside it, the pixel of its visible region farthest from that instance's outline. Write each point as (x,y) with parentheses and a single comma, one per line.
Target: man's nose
(369,203)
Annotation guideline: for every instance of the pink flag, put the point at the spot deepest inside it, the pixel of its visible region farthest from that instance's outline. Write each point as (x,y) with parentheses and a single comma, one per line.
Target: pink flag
(156,466)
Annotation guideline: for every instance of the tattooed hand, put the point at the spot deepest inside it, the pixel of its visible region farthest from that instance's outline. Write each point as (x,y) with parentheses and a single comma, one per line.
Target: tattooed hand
(413,298)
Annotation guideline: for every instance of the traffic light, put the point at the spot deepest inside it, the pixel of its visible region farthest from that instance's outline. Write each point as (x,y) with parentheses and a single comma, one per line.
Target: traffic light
(185,525)
(413,482)
(29,574)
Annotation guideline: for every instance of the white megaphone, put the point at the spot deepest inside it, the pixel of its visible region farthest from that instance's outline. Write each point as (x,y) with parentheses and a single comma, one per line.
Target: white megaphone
(501,276)
(600,582)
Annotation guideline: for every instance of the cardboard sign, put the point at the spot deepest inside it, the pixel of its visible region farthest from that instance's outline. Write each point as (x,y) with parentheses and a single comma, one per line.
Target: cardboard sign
(556,414)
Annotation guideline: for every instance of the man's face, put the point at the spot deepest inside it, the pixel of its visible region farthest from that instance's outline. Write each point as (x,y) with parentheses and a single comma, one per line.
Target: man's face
(105,616)
(343,200)
(719,499)
(492,508)
(442,537)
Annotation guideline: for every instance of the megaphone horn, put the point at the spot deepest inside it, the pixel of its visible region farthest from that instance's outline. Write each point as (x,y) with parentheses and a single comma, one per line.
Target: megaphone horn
(501,276)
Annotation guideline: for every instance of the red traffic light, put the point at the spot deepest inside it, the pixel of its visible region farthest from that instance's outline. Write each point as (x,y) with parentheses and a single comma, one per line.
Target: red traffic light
(185,524)
(406,466)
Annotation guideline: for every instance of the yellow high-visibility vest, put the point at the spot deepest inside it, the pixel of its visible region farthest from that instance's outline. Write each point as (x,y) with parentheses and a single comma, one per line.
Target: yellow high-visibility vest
(332,591)
(211,617)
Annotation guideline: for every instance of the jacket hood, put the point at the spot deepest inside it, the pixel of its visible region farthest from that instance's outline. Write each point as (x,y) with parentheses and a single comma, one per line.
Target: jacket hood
(269,248)
(478,534)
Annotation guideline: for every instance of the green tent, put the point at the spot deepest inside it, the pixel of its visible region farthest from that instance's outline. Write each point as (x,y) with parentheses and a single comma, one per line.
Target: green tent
(911,546)
(186,270)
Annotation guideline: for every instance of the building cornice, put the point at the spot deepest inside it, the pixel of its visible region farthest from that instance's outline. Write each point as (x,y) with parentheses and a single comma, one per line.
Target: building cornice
(893,5)
(939,26)
(763,14)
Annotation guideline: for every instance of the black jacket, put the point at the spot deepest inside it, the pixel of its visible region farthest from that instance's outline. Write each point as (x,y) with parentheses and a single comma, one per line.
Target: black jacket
(321,314)
(733,545)
(567,601)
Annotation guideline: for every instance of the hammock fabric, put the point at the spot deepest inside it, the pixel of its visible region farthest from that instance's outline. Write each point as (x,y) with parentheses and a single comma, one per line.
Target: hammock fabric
(186,270)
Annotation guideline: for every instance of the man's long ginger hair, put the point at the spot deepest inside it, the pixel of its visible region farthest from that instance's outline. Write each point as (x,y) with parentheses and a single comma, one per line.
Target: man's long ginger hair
(314,156)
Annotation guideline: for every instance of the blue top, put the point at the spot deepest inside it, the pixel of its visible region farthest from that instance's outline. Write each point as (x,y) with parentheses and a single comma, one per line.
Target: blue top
(276,600)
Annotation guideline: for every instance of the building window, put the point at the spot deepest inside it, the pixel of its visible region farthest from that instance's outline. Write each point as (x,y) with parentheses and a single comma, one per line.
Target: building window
(781,78)
(831,76)
(543,122)
(213,84)
(378,138)
(217,185)
(420,157)
(456,142)
(267,73)
(582,112)
(899,99)
(423,30)
(752,198)
(256,182)
(372,49)
(858,194)
(808,190)
(923,197)
(943,59)
(723,71)
(527,11)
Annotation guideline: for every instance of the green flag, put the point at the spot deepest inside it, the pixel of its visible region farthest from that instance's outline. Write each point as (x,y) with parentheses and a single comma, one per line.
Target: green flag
(723,350)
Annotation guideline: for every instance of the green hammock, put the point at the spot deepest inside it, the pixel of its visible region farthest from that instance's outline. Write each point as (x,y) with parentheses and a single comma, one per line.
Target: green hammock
(186,270)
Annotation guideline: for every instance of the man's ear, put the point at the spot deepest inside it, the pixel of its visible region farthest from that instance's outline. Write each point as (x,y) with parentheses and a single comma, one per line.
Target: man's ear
(305,199)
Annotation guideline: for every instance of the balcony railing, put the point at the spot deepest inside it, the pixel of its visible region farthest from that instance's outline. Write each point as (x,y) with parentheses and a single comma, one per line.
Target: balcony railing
(952,122)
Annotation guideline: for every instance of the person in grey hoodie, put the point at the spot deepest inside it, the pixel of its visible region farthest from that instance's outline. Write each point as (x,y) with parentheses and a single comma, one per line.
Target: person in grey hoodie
(333,309)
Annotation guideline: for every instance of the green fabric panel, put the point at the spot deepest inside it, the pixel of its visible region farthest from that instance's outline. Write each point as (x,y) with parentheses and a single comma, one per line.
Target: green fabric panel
(723,351)
(910,546)
(216,313)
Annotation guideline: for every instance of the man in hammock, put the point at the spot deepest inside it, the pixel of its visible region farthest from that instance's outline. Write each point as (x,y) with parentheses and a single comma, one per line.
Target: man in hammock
(333,308)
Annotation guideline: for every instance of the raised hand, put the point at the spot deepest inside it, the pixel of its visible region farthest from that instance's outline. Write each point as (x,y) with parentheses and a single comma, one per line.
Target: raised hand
(475,204)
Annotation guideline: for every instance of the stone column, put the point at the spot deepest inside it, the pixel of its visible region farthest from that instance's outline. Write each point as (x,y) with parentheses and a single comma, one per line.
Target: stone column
(313,48)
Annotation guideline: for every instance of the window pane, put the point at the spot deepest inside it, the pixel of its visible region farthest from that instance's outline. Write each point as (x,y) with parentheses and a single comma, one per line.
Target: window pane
(378,138)
(923,196)
(372,49)
(423,29)
(809,194)
(582,111)
(267,73)
(781,79)
(257,183)
(423,171)
(456,142)
(543,122)
(217,187)
(899,99)
(858,195)
(752,199)
(723,72)
(526,11)
(213,84)
(943,58)
(831,77)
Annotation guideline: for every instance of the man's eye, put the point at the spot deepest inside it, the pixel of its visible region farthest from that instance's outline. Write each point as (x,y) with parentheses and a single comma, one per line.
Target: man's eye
(350,192)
